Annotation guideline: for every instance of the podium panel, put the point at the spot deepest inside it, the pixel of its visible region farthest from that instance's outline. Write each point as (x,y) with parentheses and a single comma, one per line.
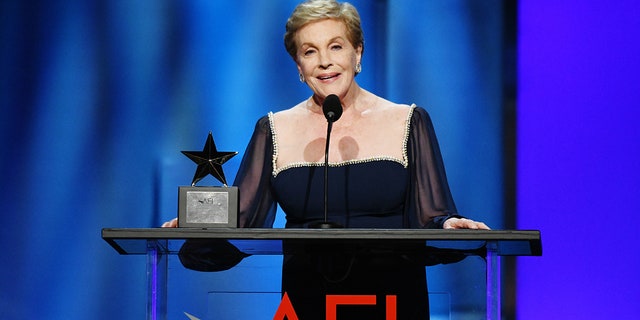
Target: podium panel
(242,294)
(239,293)
(250,290)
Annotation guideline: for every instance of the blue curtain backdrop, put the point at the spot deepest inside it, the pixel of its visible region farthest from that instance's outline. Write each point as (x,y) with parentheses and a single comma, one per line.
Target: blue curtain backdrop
(97,99)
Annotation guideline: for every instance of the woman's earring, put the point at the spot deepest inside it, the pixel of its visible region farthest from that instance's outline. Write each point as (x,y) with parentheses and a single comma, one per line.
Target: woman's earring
(301,77)
(358,68)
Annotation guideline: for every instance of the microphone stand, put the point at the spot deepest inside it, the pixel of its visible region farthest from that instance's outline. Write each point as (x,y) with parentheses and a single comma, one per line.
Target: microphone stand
(326,224)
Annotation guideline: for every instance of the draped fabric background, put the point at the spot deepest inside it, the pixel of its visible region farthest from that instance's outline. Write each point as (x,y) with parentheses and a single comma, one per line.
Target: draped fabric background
(97,98)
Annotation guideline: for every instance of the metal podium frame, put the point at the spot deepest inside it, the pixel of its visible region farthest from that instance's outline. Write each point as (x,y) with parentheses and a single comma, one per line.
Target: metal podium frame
(158,243)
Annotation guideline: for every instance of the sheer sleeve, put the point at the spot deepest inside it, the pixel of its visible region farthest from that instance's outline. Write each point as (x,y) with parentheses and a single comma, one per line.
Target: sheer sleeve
(257,206)
(429,200)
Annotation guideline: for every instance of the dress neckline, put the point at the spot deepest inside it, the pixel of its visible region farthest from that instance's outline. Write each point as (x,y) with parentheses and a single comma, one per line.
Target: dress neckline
(404,161)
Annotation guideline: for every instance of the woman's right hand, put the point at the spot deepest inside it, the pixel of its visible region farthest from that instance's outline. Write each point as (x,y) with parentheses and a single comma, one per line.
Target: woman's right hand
(173,223)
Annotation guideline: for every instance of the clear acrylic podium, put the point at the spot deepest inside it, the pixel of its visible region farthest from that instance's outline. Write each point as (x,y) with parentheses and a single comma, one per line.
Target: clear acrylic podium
(158,244)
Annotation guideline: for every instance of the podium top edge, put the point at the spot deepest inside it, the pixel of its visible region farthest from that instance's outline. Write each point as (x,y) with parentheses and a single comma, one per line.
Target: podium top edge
(337,234)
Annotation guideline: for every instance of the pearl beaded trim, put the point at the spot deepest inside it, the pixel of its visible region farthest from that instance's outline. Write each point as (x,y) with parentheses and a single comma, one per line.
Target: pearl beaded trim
(404,161)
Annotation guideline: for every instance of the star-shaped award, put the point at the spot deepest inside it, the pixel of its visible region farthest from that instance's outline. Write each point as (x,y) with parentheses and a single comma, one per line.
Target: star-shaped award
(209,161)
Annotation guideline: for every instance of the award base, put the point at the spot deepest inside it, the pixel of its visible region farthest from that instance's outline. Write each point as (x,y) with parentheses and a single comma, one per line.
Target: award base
(207,207)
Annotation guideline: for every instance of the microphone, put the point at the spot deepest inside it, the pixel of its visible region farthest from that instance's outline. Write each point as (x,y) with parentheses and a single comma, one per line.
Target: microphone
(332,109)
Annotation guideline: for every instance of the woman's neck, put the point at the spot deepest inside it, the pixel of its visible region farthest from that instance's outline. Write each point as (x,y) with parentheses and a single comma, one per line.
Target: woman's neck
(356,100)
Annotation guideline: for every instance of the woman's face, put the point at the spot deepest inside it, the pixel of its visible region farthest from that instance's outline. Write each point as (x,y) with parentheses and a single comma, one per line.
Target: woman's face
(326,58)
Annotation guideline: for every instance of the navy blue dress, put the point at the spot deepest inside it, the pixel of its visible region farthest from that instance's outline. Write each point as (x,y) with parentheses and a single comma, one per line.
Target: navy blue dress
(369,193)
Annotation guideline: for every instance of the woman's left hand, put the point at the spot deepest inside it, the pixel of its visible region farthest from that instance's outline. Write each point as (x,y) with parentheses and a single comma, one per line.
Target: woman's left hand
(173,223)
(464,223)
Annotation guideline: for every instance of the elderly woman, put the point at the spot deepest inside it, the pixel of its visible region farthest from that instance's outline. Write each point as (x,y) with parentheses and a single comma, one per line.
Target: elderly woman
(385,171)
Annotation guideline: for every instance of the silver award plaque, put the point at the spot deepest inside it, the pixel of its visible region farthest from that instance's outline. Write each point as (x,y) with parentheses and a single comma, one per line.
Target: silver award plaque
(208,207)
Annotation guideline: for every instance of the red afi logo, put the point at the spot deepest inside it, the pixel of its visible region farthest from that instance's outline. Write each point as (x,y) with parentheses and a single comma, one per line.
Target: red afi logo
(285,309)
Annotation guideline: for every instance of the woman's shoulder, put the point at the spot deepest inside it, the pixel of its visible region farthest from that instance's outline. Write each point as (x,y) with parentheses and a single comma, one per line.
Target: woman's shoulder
(384,105)
(387,108)
(410,110)
(290,118)
(298,110)
(413,114)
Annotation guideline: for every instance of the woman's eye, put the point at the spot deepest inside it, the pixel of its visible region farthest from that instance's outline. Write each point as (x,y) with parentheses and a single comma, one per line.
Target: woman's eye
(336,47)
(309,52)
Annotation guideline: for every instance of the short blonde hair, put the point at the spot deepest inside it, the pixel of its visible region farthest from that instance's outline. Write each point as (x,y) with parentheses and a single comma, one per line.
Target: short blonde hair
(314,10)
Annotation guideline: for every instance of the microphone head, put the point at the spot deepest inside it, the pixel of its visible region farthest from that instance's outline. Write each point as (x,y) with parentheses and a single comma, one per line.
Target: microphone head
(332,108)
